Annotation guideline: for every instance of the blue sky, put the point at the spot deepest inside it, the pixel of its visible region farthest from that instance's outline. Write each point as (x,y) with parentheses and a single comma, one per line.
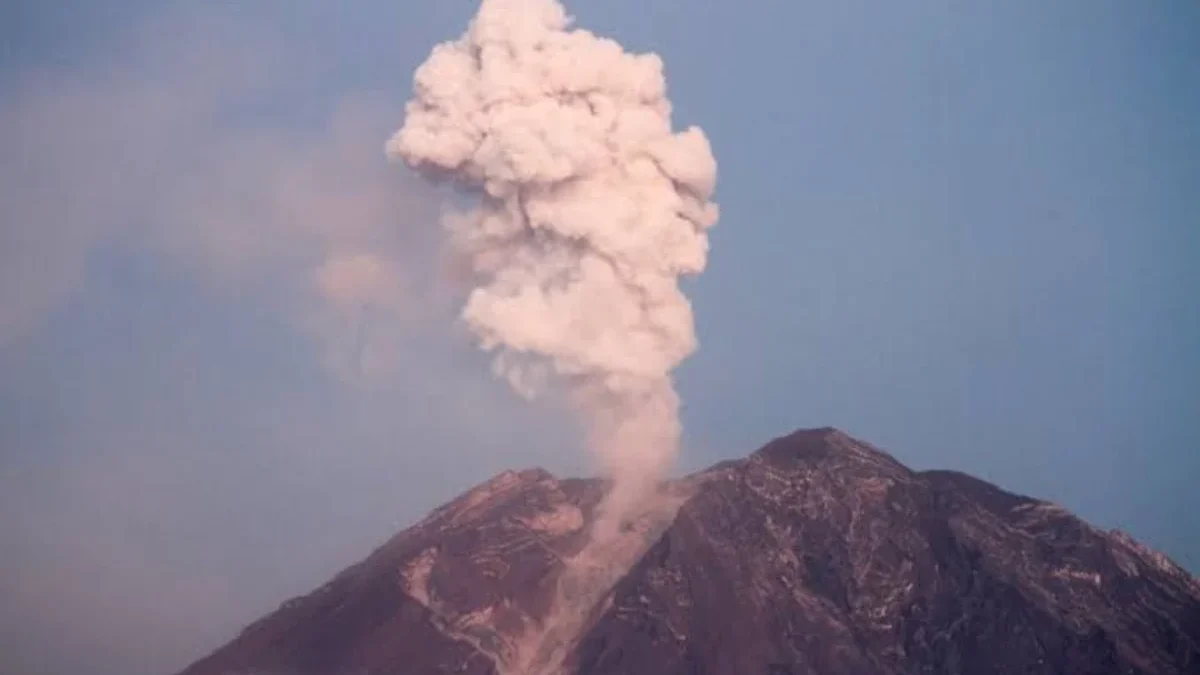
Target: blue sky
(966,234)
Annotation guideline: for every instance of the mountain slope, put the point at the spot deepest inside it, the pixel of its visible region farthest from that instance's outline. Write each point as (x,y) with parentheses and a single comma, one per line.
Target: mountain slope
(817,554)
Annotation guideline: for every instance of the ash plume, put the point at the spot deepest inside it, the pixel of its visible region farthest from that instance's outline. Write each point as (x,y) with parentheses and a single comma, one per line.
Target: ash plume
(589,208)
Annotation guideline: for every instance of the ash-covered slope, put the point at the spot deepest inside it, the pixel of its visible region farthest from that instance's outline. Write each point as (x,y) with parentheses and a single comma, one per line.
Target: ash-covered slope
(817,554)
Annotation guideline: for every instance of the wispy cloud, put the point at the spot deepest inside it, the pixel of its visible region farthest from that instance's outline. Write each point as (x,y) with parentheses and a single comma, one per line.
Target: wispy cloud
(166,477)
(186,143)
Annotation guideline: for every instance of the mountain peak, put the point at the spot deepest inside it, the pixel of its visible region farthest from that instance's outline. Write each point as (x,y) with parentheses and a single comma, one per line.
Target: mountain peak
(818,553)
(827,448)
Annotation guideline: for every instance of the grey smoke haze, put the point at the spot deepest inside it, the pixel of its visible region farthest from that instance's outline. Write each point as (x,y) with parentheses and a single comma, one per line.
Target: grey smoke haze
(590,209)
(155,500)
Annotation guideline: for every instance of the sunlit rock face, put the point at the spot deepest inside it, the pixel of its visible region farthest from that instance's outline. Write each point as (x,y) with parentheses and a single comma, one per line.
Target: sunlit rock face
(816,554)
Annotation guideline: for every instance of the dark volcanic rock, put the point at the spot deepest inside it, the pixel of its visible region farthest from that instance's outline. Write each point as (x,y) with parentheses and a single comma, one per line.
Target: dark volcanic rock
(817,554)
(449,595)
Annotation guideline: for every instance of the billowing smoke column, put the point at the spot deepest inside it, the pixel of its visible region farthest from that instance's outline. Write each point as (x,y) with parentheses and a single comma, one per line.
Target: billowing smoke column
(590,209)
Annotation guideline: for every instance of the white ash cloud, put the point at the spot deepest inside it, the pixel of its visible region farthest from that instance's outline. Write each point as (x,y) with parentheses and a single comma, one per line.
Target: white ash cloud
(590,209)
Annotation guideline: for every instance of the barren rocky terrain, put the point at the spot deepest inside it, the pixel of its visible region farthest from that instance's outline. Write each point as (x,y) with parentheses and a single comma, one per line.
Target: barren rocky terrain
(816,554)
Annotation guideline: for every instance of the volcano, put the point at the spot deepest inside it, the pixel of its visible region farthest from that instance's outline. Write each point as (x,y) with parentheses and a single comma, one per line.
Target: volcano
(817,554)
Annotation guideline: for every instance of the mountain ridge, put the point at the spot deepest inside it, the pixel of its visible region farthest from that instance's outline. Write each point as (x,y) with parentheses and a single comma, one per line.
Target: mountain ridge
(817,553)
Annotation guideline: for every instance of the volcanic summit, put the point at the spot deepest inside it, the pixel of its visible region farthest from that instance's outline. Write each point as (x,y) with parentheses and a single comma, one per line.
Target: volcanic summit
(816,554)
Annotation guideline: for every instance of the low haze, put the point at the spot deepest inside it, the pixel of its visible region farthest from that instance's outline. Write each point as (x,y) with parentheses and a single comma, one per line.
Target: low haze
(230,363)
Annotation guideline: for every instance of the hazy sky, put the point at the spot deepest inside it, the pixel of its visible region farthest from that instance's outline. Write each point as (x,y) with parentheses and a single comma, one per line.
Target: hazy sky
(228,359)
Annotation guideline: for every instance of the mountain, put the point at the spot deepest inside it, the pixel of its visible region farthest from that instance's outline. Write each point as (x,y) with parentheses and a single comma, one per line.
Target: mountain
(816,554)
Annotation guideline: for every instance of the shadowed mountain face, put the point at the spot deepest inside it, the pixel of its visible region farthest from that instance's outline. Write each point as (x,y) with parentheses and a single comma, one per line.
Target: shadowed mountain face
(817,554)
